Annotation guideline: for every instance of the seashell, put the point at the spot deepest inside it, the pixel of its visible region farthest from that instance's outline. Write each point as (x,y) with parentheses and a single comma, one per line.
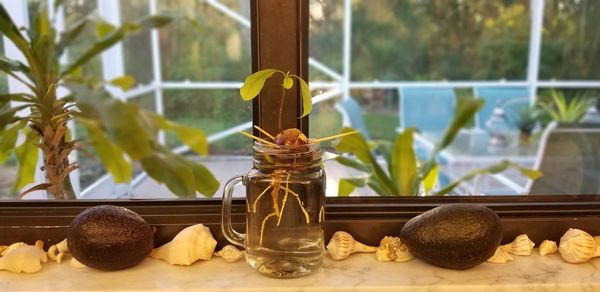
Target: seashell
(522,245)
(500,257)
(577,246)
(76,264)
(548,247)
(57,251)
(191,244)
(12,247)
(230,253)
(392,249)
(342,245)
(25,258)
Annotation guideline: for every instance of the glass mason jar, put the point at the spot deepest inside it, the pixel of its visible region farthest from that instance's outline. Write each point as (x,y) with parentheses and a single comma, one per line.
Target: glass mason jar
(285,194)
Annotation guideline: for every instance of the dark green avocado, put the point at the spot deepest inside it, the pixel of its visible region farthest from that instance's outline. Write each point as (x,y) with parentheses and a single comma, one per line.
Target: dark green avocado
(454,236)
(110,237)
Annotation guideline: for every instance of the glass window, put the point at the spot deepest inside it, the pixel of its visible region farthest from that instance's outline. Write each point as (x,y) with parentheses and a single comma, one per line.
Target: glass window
(137,53)
(219,50)
(571,40)
(439,40)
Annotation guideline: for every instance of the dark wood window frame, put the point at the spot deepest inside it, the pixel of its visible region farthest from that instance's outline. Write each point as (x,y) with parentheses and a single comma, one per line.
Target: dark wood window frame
(280,40)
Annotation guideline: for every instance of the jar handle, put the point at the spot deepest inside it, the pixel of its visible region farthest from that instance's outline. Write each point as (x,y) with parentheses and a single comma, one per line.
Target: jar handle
(226,228)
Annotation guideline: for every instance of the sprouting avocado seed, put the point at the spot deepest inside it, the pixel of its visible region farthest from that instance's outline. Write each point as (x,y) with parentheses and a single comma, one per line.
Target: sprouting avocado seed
(291,137)
(454,236)
(108,237)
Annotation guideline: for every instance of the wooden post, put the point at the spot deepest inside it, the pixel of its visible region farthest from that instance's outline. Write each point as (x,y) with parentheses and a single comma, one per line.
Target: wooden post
(279,30)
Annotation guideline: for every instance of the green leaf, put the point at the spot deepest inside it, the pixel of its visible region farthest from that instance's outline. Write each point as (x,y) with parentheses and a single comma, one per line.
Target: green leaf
(493,169)
(348,185)
(71,34)
(103,28)
(205,181)
(464,114)
(345,161)
(192,137)
(124,82)
(288,82)
(112,156)
(431,179)
(155,21)
(173,171)
(124,123)
(8,139)
(114,37)
(404,163)
(306,98)
(27,156)
(12,32)
(357,145)
(254,83)
(530,173)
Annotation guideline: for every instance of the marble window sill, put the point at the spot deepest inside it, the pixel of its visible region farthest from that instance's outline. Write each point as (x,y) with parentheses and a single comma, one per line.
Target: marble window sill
(360,272)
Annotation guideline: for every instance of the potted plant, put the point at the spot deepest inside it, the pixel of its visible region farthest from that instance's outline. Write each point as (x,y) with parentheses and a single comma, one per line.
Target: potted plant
(119,131)
(566,112)
(406,175)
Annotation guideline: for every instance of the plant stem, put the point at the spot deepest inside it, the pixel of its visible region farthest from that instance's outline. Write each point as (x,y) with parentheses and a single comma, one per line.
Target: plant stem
(281,107)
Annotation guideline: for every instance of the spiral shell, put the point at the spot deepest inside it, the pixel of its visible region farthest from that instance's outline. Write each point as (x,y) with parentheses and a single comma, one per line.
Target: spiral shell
(522,245)
(392,249)
(577,246)
(230,253)
(500,257)
(548,247)
(342,245)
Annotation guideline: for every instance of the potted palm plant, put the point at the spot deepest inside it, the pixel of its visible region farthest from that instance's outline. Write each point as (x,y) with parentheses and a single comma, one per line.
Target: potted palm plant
(119,131)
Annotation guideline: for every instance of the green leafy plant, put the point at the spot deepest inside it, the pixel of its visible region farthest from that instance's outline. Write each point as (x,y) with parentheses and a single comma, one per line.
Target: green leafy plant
(405,174)
(254,83)
(119,131)
(566,112)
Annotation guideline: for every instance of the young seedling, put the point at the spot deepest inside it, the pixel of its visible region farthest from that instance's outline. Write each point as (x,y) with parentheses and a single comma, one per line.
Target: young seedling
(289,139)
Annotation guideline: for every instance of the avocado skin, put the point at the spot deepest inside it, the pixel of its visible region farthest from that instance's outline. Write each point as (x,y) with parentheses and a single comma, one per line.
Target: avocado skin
(110,237)
(453,236)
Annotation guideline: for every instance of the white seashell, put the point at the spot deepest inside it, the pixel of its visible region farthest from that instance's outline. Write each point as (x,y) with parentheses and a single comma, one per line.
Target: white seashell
(500,257)
(342,245)
(76,264)
(230,253)
(522,245)
(392,249)
(577,246)
(548,247)
(191,244)
(57,251)
(25,258)
(12,247)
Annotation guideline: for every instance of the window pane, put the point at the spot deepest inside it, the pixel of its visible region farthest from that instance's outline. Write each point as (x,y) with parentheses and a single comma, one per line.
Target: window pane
(136,48)
(326,37)
(74,11)
(218,51)
(571,40)
(439,40)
